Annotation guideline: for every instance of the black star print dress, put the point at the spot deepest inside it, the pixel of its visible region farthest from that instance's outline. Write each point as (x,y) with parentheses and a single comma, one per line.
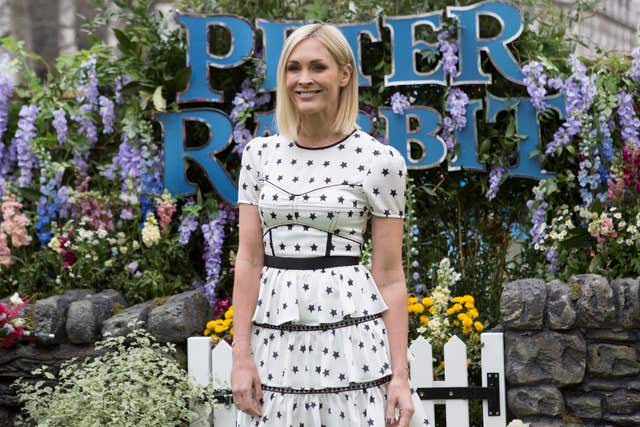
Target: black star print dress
(318,338)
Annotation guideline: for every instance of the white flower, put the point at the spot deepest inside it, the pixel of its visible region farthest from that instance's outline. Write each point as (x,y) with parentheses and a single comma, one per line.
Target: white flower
(517,423)
(15,299)
(18,323)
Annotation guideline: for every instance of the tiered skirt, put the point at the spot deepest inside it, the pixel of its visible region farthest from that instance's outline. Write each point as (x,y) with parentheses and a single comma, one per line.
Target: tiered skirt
(321,349)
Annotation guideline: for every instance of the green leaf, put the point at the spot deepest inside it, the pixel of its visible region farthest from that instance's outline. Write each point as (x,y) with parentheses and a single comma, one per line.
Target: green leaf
(159,103)
(125,44)
(578,238)
(485,146)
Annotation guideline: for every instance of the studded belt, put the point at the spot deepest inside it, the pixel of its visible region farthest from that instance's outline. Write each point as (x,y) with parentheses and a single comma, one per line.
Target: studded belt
(355,386)
(347,321)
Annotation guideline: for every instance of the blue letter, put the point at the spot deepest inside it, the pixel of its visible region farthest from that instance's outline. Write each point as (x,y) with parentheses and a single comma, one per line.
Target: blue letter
(265,124)
(274,35)
(471,44)
(404,47)
(353,34)
(527,127)
(467,139)
(175,152)
(199,57)
(426,135)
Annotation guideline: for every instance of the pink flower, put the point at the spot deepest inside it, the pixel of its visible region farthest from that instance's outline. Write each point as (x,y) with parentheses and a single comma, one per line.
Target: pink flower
(14,224)
(5,252)
(165,212)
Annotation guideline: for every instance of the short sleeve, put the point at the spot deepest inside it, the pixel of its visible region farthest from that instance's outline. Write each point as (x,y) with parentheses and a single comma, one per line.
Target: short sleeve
(386,184)
(249,178)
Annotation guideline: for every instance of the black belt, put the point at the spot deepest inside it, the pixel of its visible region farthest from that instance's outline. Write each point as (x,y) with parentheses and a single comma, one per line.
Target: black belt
(313,263)
(347,321)
(351,387)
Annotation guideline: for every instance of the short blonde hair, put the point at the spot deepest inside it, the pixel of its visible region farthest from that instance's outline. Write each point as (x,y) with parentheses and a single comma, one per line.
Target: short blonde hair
(287,117)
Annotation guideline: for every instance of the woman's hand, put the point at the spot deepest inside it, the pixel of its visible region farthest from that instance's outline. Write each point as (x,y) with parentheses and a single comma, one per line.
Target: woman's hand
(245,385)
(399,396)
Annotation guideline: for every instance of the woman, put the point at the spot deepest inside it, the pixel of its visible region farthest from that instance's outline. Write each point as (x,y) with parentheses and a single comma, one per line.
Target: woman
(319,340)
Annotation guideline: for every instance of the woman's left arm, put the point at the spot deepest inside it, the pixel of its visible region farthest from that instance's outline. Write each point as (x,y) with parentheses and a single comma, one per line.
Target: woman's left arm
(388,273)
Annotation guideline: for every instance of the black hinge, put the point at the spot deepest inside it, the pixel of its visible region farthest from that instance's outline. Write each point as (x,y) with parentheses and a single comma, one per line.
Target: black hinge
(222,396)
(490,393)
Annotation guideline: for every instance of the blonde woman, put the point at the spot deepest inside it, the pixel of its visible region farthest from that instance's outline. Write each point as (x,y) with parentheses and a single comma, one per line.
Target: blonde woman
(319,339)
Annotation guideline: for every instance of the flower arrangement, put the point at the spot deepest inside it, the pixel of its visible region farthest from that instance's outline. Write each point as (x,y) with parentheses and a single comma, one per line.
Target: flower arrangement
(12,325)
(439,316)
(221,328)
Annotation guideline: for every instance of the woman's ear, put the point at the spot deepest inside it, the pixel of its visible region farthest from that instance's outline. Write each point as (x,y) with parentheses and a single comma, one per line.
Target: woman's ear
(345,75)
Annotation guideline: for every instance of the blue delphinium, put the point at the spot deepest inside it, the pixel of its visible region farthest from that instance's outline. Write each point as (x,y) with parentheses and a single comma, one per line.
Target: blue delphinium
(107,114)
(213,233)
(535,81)
(27,160)
(495,176)
(188,225)
(449,50)
(456,106)
(634,72)
(399,103)
(47,207)
(629,122)
(60,125)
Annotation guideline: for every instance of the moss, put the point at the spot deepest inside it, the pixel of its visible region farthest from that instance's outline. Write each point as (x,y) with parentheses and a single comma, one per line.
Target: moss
(160,300)
(575,291)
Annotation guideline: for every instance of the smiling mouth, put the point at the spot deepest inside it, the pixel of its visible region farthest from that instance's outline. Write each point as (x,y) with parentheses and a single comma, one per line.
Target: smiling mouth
(306,93)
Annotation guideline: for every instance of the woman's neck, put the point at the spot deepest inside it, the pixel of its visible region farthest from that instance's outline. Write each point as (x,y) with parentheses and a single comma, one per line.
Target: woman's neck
(316,131)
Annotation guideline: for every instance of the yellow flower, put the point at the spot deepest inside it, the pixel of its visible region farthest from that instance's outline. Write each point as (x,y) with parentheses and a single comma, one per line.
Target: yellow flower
(465,320)
(424,319)
(479,326)
(456,308)
(466,330)
(220,329)
(473,313)
(427,301)
(432,309)
(468,305)
(418,308)
(207,332)
(229,313)
(211,324)
(231,331)
(442,364)
(227,322)
(412,300)
(458,299)
(468,299)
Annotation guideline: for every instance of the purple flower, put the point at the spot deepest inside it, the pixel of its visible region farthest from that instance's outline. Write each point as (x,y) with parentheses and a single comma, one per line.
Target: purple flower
(22,142)
(535,80)
(457,102)
(495,176)
(188,225)
(120,81)
(89,83)
(6,92)
(213,233)
(399,103)
(634,73)
(107,113)
(539,206)
(60,125)
(65,203)
(449,51)
(580,90)
(629,122)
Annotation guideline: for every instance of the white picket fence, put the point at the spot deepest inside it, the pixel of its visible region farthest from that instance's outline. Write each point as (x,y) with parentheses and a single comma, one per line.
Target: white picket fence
(212,366)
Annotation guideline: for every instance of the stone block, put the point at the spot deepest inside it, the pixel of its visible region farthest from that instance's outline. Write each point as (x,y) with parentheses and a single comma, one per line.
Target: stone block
(561,314)
(627,296)
(522,304)
(609,360)
(623,402)
(545,357)
(585,405)
(535,400)
(50,315)
(611,335)
(623,420)
(596,304)
(180,317)
(118,324)
(86,316)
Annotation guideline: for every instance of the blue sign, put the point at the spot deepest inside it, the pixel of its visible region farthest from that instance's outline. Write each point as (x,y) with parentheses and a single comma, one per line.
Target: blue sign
(404,71)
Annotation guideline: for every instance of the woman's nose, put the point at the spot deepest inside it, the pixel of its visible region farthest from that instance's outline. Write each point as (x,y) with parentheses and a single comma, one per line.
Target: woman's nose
(305,77)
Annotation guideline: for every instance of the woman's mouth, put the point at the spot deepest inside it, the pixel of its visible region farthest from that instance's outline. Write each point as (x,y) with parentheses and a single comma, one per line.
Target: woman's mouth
(306,93)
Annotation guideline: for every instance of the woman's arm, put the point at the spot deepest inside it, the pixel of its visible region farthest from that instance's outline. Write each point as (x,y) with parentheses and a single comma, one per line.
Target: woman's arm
(388,273)
(245,382)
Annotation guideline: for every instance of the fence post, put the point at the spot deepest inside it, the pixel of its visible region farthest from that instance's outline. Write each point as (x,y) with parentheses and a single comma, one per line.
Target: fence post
(455,375)
(224,414)
(199,371)
(492,360)
(422,372)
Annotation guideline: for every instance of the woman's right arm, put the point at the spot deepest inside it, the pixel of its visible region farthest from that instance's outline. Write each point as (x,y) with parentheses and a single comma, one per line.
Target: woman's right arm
(245,381)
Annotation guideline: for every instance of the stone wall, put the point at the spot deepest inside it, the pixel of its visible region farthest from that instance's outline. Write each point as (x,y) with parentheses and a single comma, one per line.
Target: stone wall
(78,318)
(572,351)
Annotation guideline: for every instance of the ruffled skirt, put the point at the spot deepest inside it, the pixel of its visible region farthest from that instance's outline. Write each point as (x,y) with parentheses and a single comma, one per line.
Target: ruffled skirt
(333,375)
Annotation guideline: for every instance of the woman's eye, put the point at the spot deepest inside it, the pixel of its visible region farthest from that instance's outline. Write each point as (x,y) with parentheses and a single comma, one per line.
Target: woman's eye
(319,67)
(293,67)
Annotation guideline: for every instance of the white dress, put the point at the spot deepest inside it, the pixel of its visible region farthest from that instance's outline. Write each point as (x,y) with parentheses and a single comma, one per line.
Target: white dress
(316,203)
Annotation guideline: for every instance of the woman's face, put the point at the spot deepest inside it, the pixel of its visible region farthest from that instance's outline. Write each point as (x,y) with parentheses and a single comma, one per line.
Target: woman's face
(313,79)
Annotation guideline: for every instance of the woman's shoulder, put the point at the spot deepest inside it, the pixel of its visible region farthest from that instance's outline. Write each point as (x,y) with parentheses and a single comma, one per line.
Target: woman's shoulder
(259,144)
(377,151)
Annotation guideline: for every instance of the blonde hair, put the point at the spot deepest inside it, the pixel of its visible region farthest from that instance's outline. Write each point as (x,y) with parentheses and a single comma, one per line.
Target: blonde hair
(287,117)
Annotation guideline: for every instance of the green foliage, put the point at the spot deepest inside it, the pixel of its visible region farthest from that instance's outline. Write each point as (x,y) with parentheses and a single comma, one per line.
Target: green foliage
(133,381)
